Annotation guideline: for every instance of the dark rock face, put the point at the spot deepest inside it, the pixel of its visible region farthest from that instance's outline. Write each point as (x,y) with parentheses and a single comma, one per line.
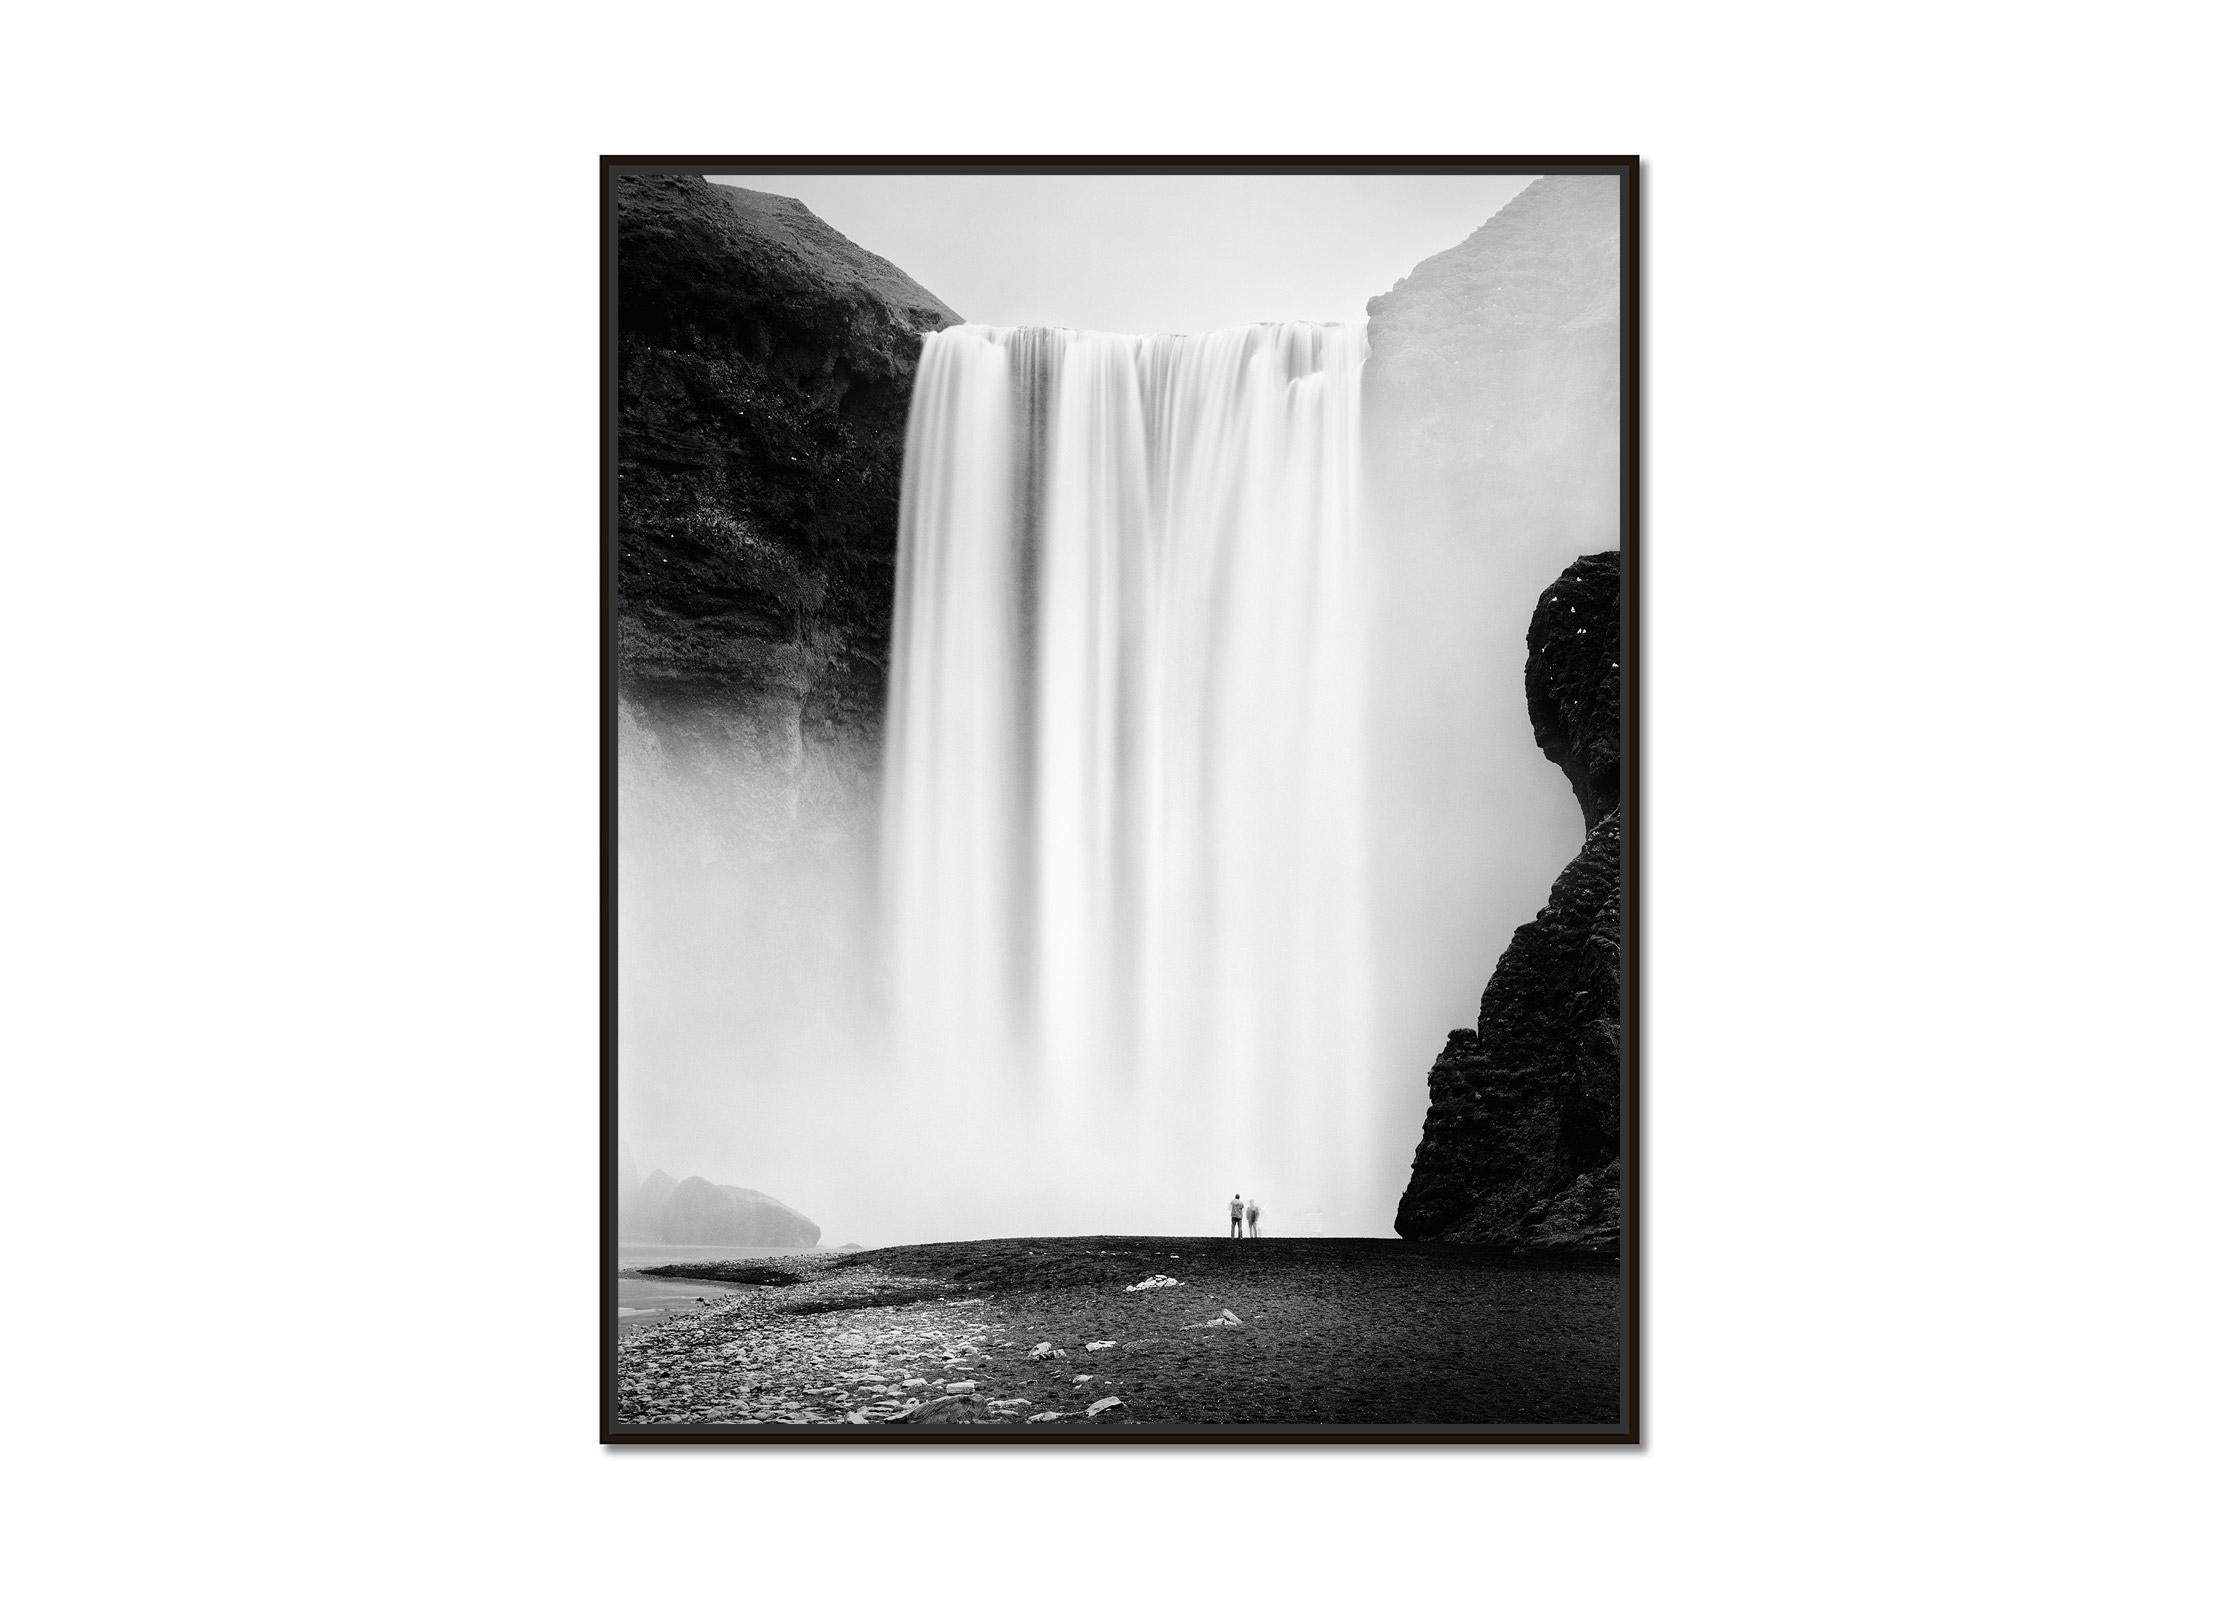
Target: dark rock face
(1520,1144)
(700,1212)
(1571,680)
(765,373)
(763,377)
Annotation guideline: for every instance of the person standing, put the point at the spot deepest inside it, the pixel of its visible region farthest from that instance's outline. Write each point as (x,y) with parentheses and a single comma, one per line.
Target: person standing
(1252,1218)
(1236,1216)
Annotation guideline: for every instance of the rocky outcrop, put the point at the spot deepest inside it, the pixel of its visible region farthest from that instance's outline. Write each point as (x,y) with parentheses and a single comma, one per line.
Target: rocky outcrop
(1520,1143)
(765,366)
(1571,680)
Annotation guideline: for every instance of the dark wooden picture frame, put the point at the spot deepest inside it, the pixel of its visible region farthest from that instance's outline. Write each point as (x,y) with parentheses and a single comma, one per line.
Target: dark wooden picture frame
(1627,1430)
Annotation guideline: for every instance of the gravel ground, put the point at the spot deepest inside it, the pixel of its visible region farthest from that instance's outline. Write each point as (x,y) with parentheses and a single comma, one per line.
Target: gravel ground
(1325,1331)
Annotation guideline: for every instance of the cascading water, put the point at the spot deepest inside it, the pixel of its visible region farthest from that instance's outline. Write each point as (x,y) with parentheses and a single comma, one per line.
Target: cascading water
(1125,834)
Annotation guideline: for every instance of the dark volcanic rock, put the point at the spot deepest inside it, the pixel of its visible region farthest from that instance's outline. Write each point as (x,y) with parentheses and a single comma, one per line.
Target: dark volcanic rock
(1520,1144)
(1571,680)
(765,373)
(700,1212)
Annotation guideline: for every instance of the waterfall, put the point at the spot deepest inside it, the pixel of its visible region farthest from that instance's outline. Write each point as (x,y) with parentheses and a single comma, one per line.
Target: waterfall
(1124,834)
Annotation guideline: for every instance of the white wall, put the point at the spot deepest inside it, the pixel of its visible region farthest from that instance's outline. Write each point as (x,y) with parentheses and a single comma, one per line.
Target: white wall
(302,893)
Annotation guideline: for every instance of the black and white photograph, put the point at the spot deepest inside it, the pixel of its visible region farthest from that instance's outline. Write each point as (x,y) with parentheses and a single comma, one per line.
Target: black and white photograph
(1122,788)
(1277,801)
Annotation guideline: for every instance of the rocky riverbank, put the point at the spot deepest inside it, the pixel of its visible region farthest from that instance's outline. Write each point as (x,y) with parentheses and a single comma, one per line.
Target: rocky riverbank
(1068,1333)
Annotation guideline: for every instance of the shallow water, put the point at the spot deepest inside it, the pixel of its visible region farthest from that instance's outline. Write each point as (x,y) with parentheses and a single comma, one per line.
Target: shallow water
(641,1299)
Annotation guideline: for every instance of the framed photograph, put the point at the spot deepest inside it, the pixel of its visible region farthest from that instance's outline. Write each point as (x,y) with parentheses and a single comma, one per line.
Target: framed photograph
(1121,733)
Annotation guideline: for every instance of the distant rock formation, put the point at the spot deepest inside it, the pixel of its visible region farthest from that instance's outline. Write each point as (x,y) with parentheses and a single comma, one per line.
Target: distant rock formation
(765,372)
(662,1210)
(700,1212)
(1520,1144)
(642,1204)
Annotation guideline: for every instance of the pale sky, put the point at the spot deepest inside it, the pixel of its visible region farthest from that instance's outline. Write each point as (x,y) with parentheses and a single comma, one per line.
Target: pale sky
(1159,253)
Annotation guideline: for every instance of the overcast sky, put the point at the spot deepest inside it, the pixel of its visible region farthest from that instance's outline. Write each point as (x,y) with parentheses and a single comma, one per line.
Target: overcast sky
(1152,254)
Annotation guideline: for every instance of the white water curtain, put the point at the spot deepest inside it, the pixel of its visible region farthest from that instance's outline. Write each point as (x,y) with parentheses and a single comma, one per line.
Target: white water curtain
(1125,835)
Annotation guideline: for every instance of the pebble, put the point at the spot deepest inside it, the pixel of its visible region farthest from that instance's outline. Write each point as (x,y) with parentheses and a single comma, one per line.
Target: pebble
(762,1357)
(745,1358)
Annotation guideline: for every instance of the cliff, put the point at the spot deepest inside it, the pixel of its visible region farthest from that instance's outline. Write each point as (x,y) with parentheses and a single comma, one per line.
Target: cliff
(1491,389)
(765,373)
(1520,1142)
(1490,422)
